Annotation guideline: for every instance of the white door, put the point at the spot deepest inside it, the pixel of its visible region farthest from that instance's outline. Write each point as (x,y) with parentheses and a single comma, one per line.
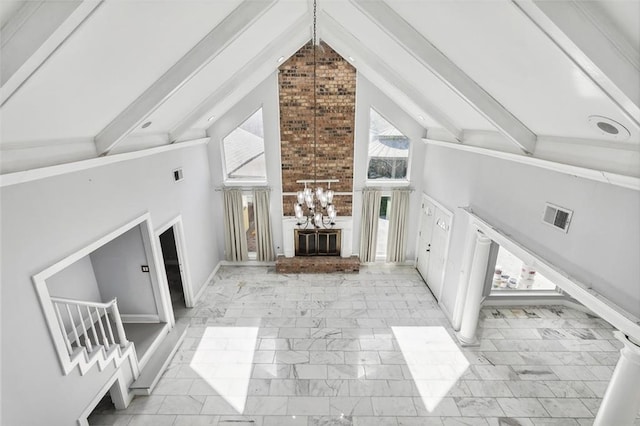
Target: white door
(424,237)
(437,258)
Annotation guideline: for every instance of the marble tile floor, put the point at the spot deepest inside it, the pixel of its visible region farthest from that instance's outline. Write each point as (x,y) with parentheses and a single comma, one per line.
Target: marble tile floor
(371,349)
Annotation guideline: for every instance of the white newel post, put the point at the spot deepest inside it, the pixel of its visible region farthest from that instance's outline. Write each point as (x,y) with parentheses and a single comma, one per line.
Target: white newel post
(122,336)
(622,399)
(471,311)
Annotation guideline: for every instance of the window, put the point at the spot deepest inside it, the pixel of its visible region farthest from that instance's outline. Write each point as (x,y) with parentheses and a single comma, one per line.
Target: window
(383,227)
(388,150)
(249,216)
(512,274)
(244,151)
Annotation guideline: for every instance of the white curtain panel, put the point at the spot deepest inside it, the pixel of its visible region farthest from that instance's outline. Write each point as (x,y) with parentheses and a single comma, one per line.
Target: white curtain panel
(397,239)
(235,235)
(369,226)
(264,238)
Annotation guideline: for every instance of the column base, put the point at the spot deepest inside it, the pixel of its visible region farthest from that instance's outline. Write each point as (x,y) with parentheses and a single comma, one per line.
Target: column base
(466,342)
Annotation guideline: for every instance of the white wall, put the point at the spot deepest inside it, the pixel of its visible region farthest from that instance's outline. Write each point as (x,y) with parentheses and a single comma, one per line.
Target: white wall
(117,266)
(368,96)
(44,221)
(601,249)
(77,281)
(265,96)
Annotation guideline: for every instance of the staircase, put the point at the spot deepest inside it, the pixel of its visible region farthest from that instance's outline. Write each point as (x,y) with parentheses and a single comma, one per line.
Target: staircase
(92,333)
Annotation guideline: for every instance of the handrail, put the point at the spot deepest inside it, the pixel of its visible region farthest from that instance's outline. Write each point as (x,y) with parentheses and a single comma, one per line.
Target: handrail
(85,303)
(83,324)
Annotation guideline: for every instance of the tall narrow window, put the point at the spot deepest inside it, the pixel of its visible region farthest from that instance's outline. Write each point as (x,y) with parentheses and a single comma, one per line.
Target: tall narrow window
(388,150)
(249,217)
(383,227)
(244,151)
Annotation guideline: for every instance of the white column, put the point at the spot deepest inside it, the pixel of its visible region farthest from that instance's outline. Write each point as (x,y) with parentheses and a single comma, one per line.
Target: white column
(622,399)
(471,312)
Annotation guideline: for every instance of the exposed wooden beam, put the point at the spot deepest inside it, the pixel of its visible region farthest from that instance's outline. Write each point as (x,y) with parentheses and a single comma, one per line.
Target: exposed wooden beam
(595,45)
(263,64)
(338,36)
(36,31)
(231,27)
(448,72)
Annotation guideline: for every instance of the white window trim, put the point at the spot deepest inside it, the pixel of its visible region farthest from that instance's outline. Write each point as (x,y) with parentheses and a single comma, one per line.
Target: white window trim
(242,181)
(386,181)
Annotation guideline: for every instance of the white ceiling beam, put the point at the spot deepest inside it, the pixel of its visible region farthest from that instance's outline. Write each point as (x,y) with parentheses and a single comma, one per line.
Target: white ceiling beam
(448,72)
(36,31)
(595,45)
(231,27)
(340,36)
(264,63)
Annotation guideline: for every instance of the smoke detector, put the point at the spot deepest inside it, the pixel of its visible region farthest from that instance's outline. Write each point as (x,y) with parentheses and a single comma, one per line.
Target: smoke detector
(609,128)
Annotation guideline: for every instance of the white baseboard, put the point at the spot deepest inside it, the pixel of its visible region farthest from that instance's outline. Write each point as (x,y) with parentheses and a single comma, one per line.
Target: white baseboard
(204,285)
(140,318)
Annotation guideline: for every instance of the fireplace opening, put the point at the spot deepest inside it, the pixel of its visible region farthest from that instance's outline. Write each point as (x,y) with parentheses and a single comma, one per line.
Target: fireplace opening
(317,242)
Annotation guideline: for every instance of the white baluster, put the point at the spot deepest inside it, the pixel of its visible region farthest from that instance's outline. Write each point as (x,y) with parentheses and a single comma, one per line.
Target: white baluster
(109,329)
(87,340)
(73,326)
(64,330)
(92,326)
(122,337)
(105,342)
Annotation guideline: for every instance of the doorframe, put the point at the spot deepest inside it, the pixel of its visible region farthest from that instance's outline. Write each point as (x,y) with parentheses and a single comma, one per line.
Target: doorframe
(181,249)
(451,217)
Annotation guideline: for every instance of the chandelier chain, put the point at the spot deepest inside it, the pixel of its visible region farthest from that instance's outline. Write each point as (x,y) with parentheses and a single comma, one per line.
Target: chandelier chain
(315,101)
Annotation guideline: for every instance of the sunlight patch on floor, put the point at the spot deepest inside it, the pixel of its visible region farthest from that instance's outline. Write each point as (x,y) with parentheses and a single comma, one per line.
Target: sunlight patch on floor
(434,360)
(224,359)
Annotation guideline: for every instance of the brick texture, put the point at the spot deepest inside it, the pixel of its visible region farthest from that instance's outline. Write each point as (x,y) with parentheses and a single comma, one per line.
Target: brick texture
(335,122)
(317,264)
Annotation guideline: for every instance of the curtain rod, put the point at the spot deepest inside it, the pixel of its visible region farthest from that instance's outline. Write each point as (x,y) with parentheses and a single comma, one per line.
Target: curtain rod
(386,188)
(244,188)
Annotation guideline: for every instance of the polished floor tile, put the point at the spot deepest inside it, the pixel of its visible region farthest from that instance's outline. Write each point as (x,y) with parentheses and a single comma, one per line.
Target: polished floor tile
(372,348)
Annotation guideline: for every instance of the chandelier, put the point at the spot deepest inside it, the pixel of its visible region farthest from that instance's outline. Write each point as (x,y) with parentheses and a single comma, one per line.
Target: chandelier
(315,208)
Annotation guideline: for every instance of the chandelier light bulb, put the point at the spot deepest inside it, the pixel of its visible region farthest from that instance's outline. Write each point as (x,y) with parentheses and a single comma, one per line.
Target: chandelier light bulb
(300,197)
(329,195)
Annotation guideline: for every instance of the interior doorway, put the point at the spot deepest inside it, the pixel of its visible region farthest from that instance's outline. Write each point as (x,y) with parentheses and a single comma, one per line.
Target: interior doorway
(173,266)
(433,244)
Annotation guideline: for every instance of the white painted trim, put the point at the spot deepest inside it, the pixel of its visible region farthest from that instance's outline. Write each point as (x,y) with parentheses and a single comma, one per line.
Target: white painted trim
(204,286)
(158,283)
(183,259)
(39,280)
(448,72)
(50,42)
(596,302)
(629,182)
(61,169)
(211,45)
(140,318)
(339,36)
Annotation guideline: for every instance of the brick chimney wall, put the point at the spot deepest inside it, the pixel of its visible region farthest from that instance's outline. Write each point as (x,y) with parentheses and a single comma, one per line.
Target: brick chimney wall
(335,123)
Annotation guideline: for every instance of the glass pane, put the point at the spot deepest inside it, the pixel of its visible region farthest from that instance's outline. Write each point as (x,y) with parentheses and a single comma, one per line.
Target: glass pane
(383,227)
(388,150)
(249,222)
(512,274)
(244,150)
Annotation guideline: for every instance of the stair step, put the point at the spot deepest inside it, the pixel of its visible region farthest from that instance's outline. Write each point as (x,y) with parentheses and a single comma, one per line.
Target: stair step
(159,361)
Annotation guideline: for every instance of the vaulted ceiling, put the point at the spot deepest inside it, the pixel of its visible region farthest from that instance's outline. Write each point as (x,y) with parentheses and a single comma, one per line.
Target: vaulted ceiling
(82,79)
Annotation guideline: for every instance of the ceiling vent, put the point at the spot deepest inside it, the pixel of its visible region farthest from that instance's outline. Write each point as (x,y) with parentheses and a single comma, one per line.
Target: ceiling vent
(177,175)
(557,217)
(609,128)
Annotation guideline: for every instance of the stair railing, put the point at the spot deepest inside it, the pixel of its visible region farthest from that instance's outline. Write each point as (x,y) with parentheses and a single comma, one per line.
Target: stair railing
(89,324)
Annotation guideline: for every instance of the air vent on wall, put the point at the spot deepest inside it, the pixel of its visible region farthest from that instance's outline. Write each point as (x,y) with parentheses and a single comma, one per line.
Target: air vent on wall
(557,217)
(177,175)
